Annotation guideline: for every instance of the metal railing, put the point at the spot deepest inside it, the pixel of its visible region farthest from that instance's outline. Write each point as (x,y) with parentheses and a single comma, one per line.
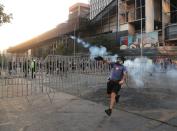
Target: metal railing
(77,75)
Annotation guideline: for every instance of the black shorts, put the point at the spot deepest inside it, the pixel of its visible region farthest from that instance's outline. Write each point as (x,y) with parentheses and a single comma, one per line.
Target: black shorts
(113,86)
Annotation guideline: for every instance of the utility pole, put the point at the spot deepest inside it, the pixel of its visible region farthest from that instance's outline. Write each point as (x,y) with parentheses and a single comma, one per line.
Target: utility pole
(117,20)
(74,40)
(2,63)
(141,30)
(118,23)
(53,49)
(163,24)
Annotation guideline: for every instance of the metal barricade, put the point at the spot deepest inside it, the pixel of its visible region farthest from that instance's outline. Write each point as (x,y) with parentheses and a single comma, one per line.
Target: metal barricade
(77,75)
(18,78)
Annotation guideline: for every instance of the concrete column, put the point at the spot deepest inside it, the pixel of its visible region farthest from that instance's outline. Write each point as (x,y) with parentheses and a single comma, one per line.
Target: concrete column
(131,29)
(165,12)
(79,11)
(149,13)
(117,16)
(165,18)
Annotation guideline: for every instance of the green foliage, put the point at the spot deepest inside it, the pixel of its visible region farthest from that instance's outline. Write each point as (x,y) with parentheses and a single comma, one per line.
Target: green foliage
(4,18)
(105,41)
(62,49)
(68,48)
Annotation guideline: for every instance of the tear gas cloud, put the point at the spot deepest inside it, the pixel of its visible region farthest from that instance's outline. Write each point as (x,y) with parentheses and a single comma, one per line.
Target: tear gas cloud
(94,50)
(138,69)
(172,73)
(113,58)
(80,41)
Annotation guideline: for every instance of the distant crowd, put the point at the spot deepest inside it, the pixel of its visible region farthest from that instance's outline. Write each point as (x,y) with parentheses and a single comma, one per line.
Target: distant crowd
(165,63)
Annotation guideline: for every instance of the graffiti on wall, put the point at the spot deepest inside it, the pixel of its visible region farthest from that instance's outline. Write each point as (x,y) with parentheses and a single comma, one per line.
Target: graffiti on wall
(131,42)
(148,40)
(124,42)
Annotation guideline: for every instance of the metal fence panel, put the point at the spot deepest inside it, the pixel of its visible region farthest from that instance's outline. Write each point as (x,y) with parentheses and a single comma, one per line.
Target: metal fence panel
(28,76)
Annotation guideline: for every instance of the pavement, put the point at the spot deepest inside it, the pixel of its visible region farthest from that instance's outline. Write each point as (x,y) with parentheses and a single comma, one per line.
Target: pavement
(72,113)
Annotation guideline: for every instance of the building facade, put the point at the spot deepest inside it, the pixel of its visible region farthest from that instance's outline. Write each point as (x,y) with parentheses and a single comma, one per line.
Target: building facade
(128,25)
(79,9)
(59,37)
(137,23)
(78,13)
(96,6)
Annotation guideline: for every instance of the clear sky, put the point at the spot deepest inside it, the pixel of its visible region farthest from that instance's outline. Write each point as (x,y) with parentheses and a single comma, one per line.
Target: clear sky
(31,18)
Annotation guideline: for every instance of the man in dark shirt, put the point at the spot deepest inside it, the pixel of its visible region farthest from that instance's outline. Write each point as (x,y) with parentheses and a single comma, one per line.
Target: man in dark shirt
(33,68)
(116,79)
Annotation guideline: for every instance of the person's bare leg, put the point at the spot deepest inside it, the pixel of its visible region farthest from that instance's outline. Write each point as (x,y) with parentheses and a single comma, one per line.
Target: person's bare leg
(112,101)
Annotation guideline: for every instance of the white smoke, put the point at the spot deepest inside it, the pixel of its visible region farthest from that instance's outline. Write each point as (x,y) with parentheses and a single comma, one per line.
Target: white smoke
(94,50)
(141,69)
(114,58)
(98,51)
(171,78)
(138,69)
(172,73)
(80,41)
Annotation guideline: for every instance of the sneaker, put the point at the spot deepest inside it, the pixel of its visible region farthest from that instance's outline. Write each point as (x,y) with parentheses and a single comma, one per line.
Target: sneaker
(117,98)
(108,112)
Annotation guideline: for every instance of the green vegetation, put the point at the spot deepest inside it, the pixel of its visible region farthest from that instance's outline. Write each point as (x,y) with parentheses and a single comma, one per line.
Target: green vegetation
(4,18)
(105,40)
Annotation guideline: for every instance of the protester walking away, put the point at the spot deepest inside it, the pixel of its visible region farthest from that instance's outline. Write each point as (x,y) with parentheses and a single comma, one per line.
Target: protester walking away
(10,67)
(25,68)
(33,69)
(116,80)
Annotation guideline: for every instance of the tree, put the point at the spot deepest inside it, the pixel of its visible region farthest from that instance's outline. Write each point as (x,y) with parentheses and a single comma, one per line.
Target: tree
(106,41)
(4,18)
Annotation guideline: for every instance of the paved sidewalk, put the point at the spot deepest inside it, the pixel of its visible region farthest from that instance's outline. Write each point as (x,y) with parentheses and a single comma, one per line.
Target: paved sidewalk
(70,113)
